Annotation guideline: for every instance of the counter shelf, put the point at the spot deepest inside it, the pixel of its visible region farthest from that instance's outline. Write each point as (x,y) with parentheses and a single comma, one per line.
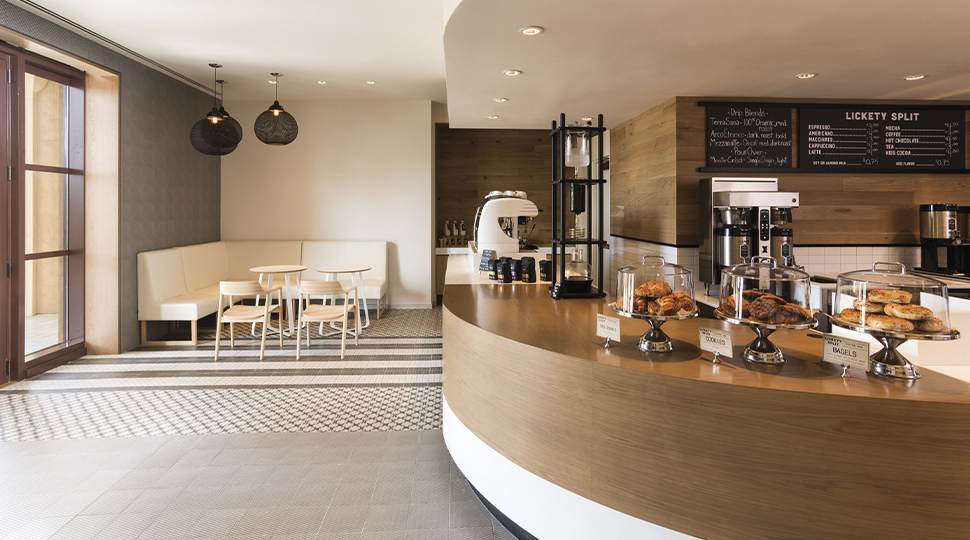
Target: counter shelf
(654,340)
(887,361)
(761,350)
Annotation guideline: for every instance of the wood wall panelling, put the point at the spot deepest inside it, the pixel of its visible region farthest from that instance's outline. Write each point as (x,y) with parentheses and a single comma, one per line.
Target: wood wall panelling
(469,163)
(836,208)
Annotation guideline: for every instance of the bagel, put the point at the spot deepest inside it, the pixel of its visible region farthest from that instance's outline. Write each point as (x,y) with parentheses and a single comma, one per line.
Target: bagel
(851,315)
(889,296)
(930,325)
(910,312)
(868,306)
(888,324)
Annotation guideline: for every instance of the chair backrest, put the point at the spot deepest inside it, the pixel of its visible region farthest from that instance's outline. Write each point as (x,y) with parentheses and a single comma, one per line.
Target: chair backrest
(318,288)
(240,288)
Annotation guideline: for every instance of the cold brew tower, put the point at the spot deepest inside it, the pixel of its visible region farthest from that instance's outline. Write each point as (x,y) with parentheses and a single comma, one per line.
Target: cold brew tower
(741,218)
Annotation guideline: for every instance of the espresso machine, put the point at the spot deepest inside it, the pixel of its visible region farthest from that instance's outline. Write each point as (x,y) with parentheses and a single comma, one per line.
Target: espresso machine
(741,218)
(497,224)
(944,238)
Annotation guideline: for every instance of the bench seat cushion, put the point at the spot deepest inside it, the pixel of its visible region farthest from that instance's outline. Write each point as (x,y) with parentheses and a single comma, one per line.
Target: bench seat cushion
(188,307)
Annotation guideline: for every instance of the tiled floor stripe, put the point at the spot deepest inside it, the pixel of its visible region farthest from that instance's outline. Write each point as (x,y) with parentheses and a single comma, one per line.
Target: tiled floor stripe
(127,366)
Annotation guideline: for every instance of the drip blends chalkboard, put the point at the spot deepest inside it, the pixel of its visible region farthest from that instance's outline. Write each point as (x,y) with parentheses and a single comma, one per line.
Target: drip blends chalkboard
(886,139)
(749,136)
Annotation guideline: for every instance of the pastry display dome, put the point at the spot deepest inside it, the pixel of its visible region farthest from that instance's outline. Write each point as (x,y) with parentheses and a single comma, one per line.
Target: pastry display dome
(655,287)
(764,293)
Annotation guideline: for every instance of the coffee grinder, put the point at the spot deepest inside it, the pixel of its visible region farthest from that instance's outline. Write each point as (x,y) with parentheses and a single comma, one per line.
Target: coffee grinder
(741,218)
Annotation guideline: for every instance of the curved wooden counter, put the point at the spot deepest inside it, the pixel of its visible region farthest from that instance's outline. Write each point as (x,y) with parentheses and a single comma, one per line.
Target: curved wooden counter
(735,451)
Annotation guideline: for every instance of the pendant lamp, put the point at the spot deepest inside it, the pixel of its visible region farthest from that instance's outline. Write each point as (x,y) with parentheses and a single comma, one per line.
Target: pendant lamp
(225,115)
(217,132)
(195,137)
(276,126)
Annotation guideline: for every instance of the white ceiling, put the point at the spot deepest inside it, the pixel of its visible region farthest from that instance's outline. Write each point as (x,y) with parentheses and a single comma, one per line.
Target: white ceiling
(396,43)
(616,57)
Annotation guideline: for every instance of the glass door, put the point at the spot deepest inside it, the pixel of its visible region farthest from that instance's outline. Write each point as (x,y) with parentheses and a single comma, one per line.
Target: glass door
(7,258)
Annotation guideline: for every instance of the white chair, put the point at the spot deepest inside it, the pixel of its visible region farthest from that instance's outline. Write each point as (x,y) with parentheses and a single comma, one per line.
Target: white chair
(323,313)
(261,314)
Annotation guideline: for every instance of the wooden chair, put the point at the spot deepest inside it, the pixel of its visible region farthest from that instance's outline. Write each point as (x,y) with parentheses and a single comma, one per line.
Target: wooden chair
(323,313)
(235,289)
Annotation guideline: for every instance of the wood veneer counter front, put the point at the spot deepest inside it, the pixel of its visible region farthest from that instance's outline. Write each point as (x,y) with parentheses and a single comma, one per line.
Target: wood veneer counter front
(734,451)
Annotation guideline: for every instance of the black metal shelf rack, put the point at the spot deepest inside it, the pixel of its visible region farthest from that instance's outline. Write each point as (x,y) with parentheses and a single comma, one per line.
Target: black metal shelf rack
(594,177)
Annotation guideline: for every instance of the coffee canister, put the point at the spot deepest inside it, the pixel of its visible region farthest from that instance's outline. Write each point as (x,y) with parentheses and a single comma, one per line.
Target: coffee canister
(504,272)
(528,270)
(492,270)
(938,221)
(781,246)
(516,266)
(963,221)
(732,245)
(545,270)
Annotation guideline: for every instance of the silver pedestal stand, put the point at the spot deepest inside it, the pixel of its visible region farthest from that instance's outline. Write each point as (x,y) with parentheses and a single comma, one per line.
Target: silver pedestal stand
(887,361)
(761,350)
(654,340)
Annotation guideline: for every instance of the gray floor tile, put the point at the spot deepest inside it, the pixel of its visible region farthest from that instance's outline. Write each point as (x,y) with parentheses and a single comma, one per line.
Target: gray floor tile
(361,472)
(427,534)
(301,520)
(432,470)
(470,514)
(334,454)
(153,500)
(382,535)
(70,504)
(325,473)
(432,453)
(171,525)
(193,498)
(433,437)
(251,475)
(431,492)
(82,527)
(403,438)
(353,494)
(238,496)
(256,522)
(392,493)
(391,517)
(274,495)
(368,454)
(139,479)
(113,501)
(373,438)
(461,490)
(101,480)
(396,471)
(471,533)
(429,516)
(501,533)
(339,536)
(40,528)
(288,474)
(344,519)
(177,478)
(215,523)
(401,453)
(317,494)
(127,526)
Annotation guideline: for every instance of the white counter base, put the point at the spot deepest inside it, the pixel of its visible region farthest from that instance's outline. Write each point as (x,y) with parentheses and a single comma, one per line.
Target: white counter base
(541,508)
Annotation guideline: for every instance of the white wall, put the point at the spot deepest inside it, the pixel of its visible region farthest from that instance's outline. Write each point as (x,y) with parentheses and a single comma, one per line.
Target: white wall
(359,170)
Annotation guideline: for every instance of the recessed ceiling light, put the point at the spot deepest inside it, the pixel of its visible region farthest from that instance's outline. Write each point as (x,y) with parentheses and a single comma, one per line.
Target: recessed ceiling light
(371,82)
(321,82)
(500,99)
(805,75)
(587,119)
(915,77)
(492,116)
(512,72)
(271,82)
(532,30)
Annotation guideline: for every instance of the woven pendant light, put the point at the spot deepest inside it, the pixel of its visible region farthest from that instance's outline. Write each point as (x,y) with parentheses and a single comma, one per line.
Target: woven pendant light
(225,115)
(195,137)
(217,132)
(276,126)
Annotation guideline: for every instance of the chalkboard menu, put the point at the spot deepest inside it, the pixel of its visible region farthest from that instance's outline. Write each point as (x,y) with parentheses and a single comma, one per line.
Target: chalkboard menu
(880,138)
(749,136)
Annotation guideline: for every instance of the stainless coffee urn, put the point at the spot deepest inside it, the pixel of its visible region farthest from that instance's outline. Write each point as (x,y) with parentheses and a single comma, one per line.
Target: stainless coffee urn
(740,218)
(940,234)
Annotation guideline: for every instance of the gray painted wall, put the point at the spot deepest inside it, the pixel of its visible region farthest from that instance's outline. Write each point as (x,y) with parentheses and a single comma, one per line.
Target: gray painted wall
(169,193)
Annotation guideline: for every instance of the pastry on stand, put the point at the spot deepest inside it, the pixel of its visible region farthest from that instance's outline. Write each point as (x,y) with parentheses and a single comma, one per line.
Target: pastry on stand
(892,306)
(765,297)
(656,292)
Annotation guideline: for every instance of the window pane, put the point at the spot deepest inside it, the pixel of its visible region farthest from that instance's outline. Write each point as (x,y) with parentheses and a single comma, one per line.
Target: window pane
(45,305)
(45,212)
(45,122)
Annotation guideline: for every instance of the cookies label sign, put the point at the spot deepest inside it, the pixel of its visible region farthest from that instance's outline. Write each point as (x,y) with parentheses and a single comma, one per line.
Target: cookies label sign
(608,327)
(715,341)
(844,351)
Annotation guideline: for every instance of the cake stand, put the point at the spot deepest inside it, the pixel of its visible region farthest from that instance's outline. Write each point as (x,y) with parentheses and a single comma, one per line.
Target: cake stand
(654,340)
(761,350)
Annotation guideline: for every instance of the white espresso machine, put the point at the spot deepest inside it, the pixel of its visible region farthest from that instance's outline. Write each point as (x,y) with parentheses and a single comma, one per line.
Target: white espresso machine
(496,226)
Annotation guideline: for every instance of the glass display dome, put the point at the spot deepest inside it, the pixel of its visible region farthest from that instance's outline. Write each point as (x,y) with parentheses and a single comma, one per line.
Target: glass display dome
(764,293)
(655,288)
(892,306)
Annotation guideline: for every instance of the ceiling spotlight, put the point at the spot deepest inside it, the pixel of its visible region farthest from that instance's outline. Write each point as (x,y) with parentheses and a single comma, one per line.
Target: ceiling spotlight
(512,72)
(272,82)
(532,30)
(915,77)
(492,116)
(587,119)
(371,82)
(805,75)
(321,82)
(500,99)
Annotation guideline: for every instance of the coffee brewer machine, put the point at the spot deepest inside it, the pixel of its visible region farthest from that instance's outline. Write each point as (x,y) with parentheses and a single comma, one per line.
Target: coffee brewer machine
(497,224)
(742,218)
(943,231)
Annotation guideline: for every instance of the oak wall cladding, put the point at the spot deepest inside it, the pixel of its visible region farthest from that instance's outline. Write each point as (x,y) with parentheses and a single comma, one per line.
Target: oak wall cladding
(471,162)
(655,183)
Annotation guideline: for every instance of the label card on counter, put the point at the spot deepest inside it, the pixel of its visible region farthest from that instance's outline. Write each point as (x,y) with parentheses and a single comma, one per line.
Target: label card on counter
(487,255)
(844,351)
(715,341)
(608,327)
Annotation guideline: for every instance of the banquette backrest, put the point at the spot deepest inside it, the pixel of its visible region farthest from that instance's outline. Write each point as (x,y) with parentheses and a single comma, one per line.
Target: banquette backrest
(241,255)
(204,265)
(317,253)
(160,277)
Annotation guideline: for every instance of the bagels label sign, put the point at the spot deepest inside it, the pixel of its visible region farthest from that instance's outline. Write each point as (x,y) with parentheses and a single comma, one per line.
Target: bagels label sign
(846,352)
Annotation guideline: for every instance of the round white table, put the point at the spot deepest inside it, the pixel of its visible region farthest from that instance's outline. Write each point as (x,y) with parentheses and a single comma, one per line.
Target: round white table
(356,272)
(286,270)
